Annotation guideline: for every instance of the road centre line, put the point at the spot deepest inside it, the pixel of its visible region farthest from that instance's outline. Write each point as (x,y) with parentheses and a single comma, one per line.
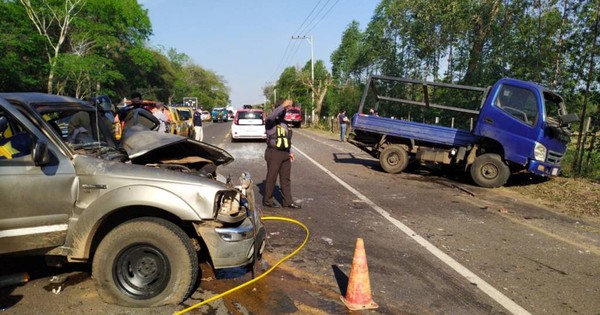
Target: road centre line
(492,292)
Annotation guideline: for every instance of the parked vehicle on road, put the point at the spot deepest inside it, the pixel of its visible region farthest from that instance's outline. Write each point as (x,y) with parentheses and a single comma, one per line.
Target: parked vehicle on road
(141,214)
(219,114)
(293,116)
(186,114)
(206,115)
(178,126)
(248,124)
(519,127)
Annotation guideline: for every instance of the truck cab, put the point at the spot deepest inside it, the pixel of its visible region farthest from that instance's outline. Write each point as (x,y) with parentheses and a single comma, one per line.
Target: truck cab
(525,120)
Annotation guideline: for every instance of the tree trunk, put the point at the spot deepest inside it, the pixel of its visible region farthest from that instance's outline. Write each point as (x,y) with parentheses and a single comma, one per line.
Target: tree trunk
(557,69)
(45,19)
(580,145)
(319,104)
(481,29)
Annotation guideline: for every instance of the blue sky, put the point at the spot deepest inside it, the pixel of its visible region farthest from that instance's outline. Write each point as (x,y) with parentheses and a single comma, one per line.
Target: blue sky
(249,42)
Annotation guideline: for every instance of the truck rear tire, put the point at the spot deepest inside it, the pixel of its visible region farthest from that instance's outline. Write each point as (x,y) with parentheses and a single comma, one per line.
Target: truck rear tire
(393,159)
(145,262)
(489,171)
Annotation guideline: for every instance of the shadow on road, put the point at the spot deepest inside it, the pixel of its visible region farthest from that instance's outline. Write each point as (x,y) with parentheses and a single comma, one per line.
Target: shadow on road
(341,279)
(351,158)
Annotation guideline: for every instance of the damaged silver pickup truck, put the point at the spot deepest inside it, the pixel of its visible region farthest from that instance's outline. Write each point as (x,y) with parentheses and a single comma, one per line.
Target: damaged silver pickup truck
(143,213)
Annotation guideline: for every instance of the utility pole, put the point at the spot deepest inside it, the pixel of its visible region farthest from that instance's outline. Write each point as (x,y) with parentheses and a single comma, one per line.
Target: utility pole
(274,92)
(312,70)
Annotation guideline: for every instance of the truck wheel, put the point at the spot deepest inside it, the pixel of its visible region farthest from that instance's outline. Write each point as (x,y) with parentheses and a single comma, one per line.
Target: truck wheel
(145,262)
(489,171)
(393,159)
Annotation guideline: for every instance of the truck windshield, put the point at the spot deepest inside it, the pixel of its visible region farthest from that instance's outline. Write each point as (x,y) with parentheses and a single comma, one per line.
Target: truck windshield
(554,106)
(518,102)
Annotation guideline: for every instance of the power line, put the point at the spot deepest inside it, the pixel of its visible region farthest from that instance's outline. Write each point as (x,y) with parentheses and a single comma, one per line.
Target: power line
(281,60)
(323,17)
(311,12)
(305,28)
(317,15)
(287,54)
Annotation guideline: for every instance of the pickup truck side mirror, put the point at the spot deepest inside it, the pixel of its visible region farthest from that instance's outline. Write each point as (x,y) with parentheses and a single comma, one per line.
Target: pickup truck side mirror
(565,120)
(41,156)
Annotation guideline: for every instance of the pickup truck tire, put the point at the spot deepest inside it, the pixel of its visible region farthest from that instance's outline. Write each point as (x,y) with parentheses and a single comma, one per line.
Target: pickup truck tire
(393,159)
(489,171)
(145,262)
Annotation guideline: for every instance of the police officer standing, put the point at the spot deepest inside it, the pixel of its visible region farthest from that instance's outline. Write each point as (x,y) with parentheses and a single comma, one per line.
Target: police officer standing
(197,120)
(279,157)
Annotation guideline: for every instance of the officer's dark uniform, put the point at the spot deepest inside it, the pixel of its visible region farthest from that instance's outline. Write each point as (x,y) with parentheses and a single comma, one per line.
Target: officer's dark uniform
(278,159)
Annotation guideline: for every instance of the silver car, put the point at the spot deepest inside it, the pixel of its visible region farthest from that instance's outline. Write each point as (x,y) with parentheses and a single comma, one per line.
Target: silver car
(142,210)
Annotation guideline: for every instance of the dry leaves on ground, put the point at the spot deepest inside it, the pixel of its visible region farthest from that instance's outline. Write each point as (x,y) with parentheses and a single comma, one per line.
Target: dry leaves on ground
(575,197)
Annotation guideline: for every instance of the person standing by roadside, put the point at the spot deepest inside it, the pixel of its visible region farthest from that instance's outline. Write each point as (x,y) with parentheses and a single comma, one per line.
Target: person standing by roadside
(343,120)
(279,157)
(169,121)
(158,113)
(197,120)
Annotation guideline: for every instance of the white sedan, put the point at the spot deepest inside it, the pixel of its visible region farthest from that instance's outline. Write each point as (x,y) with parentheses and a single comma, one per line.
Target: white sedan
(248,124)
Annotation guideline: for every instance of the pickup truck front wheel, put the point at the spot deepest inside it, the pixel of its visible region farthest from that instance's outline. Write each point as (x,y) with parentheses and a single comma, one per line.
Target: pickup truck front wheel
(489,171)
(145,262)
(393,159)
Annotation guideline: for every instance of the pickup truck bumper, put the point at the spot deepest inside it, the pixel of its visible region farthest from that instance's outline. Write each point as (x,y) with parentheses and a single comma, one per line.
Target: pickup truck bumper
(234,246)
(543,168)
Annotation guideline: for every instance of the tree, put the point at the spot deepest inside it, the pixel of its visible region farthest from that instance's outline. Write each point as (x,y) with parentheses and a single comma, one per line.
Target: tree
(52,20)
(346,56)
(20,60)
(319,86)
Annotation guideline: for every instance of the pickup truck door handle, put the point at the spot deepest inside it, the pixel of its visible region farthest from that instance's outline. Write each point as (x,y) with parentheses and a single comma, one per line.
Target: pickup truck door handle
(488,120)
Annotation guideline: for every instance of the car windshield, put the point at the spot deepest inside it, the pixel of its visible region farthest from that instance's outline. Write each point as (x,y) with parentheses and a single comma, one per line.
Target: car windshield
(184,114)
(79,127)
(293,111)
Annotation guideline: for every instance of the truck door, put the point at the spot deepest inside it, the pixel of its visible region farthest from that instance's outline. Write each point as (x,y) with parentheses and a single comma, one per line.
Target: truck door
(512,117)
(35,201)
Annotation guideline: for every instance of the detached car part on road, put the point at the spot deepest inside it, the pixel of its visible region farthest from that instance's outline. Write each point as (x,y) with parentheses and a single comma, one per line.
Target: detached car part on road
(142,214)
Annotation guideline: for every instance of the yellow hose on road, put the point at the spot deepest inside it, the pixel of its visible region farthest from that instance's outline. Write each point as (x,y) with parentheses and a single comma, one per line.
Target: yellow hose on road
(216,297)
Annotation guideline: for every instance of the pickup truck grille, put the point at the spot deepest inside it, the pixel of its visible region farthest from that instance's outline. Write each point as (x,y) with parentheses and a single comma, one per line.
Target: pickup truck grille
(554,157)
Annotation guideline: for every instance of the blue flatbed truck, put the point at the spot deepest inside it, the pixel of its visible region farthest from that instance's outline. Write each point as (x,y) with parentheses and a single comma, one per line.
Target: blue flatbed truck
(518,126)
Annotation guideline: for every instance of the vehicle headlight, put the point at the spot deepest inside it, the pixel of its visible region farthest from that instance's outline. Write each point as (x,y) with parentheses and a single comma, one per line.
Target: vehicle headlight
(228,208)
(539,152)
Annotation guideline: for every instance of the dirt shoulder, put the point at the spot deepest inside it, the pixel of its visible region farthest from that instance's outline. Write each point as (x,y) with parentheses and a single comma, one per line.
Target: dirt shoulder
(574,197)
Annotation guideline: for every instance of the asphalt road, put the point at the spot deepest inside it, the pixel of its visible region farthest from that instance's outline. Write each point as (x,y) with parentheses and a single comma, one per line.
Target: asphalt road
(434,245)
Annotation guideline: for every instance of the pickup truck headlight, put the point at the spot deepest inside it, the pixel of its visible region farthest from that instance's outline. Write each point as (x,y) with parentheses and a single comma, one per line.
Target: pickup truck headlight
(539,152)
(228,208)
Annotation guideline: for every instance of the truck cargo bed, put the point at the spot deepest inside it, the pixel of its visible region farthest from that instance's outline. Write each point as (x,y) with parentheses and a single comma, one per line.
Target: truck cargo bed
(413,130)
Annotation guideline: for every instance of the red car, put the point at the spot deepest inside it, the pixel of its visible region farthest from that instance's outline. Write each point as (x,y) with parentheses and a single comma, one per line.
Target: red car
(293,116)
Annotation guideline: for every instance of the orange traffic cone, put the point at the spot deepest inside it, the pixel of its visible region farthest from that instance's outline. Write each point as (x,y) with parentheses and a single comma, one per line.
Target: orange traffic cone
(358,293)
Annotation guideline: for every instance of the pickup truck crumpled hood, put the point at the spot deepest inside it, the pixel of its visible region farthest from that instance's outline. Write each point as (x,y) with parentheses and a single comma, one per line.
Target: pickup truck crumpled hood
(145,146)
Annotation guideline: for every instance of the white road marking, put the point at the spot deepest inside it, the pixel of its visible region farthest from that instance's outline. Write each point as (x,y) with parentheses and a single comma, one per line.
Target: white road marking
(492,292)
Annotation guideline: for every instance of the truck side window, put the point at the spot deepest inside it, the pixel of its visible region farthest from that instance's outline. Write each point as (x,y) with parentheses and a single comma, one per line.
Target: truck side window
(15,141)
(519,103)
